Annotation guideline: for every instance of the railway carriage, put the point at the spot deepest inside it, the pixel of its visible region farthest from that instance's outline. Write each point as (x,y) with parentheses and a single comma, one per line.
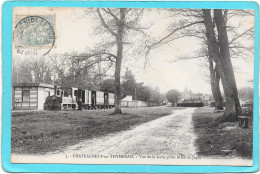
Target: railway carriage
(111,100)
(67,97)
(100,99)
(84,95)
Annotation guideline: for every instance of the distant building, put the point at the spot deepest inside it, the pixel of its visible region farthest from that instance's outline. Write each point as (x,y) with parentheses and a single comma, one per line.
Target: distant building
(30,95)
(128,98)
(129,102)
(166,102)
(187,96)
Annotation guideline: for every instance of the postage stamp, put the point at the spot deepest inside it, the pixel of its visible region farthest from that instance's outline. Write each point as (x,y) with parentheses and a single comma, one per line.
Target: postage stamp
(34,34)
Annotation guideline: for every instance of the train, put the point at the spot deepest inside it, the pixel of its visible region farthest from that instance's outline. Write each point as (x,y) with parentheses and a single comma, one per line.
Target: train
(67,97)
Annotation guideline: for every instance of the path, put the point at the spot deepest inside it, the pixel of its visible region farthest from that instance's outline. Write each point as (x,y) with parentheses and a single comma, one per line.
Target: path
(167,135)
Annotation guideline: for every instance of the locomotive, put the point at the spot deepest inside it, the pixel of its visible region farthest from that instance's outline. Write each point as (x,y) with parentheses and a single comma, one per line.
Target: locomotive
(67,97)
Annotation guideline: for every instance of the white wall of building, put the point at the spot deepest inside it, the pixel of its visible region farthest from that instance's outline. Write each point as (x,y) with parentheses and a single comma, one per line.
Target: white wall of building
(128,98)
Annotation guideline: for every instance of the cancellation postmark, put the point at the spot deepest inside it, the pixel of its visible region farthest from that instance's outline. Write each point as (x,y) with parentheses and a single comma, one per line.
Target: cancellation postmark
(34,35)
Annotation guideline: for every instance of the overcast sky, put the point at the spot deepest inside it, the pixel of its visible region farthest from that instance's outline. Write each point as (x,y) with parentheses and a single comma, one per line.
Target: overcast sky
(74,32)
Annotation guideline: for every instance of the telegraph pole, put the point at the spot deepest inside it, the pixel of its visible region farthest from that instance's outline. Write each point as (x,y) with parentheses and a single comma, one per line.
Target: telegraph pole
(135,98)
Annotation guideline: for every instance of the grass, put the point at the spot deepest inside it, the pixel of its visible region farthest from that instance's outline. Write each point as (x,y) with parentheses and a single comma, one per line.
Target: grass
(45,131)
(226,139)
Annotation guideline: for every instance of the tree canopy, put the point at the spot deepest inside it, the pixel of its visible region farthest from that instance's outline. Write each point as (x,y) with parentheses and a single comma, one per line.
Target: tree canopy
(173,96)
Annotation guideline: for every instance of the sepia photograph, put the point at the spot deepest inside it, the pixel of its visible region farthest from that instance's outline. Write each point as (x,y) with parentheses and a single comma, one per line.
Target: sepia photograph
(146,86)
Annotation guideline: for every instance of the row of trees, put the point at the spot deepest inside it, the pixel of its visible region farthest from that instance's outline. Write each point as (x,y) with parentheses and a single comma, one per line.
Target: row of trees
(139,91)
(174,96)
(58,69)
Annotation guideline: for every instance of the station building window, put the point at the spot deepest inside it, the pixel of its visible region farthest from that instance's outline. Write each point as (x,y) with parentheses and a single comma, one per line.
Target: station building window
(76,93)
(25,95)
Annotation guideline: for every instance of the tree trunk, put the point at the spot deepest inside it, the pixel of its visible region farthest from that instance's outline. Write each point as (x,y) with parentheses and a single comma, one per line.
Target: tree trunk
(218,96)
(221,56)
(214,82)
(119,41)
(224,50)
(117,85)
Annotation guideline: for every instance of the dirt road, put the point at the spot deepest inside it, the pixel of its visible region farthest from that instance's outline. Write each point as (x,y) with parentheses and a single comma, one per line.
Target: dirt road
(167,135)
(164,137)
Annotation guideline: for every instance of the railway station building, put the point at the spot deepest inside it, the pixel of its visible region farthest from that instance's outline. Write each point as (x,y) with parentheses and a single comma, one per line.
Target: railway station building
(30,96)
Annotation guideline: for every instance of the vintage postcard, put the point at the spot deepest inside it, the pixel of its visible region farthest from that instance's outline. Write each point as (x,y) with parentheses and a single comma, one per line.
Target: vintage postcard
(133,86)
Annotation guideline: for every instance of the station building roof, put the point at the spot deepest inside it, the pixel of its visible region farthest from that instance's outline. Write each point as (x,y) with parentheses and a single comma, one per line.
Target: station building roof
(33,85)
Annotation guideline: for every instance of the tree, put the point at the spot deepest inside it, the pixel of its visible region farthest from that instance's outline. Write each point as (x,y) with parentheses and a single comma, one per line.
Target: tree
(173,96)
(191,25)
(215,82)
(238,49)
(186,27)
(129,83)
(246,93)
(37,70)
(213,77)
(21,71)
(74,70)
(118,23)
(156,98)
(143,93)
(41,70)
(108,85)
(219,50)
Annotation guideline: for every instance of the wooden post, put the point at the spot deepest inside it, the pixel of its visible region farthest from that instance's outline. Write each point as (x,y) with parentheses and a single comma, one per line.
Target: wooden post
(240,122)
(246,123)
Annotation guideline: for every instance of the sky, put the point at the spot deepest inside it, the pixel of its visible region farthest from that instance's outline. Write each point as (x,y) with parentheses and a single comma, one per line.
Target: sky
(75,32)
